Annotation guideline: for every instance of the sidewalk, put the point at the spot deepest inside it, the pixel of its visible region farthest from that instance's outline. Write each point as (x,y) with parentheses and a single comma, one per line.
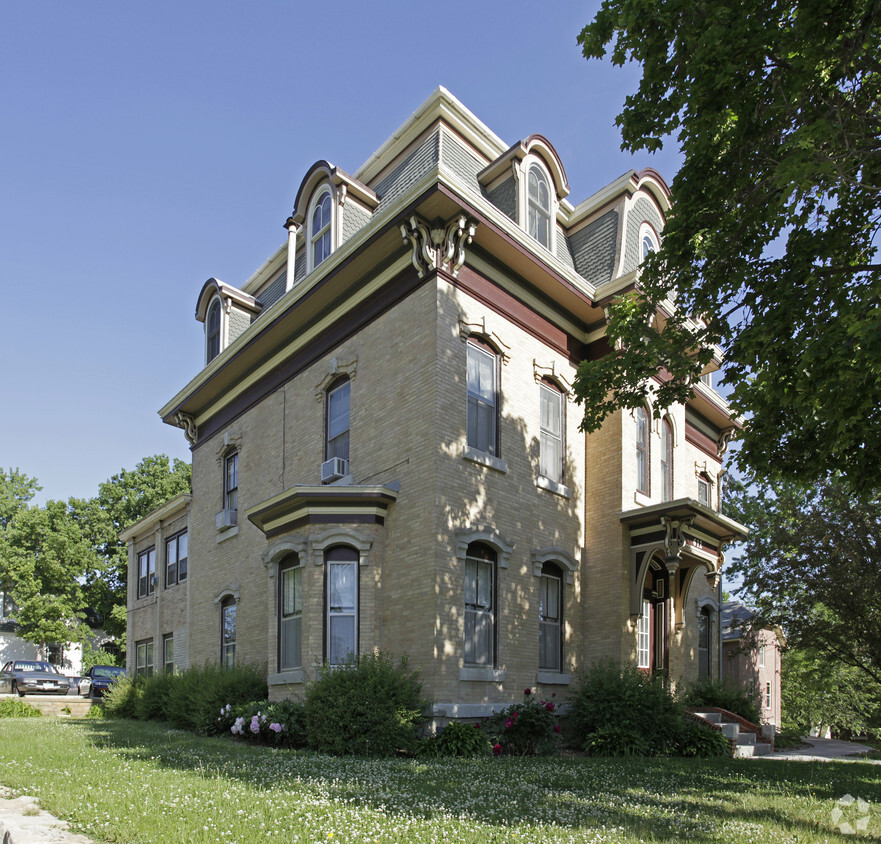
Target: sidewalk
(825,749)
(23,822)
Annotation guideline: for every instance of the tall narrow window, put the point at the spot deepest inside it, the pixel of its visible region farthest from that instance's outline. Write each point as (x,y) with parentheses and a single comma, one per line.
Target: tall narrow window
(212,332)
(341,609)
(290,613)
(642,450)
(228,632)
(146,572)
(768,695)
(550,619)
(231,481)
(480,613)
(338,399)
(176,559)
(144,658)
(320,229)
(551,451)
(482,399)
(762,655)
(168,653)
(643,637)
(666,460)
(539,206)
(703,490)
(703,644)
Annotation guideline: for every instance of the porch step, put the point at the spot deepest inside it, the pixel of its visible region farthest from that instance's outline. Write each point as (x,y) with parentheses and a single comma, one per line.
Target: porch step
(746,751)
(745,743)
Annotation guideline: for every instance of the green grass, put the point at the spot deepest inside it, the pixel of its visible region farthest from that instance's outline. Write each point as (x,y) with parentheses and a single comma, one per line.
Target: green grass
(124,781)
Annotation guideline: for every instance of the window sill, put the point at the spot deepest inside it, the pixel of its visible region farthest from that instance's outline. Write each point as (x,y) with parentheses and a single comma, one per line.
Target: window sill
(227,534)
(484,459)
(552,486)
(642,499)
(478,674)
(283,678)
(551,678)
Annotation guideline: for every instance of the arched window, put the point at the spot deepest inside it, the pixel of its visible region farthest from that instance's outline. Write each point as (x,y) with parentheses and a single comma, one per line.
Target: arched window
(212,332)
(480,605)
(228,631)
(538,203)
(550,618)
(341,603)
(648,241)
(290,613)
(642,450)
(666,460)
(551,424)
(482,415)
(320,229)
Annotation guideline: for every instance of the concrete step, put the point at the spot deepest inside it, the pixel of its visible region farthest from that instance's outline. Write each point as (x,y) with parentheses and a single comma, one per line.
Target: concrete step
(748,751)
(713,717)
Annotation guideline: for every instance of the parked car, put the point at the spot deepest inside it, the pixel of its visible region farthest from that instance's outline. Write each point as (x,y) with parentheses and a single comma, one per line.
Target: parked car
(99,678)
(26,676)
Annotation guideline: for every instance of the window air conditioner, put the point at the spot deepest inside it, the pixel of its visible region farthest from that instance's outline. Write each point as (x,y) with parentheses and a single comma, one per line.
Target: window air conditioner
(227,519)
(334,469)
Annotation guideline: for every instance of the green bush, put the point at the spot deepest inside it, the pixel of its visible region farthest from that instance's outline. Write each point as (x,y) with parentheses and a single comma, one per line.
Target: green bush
(280,723)
(196,695)
(13,707)
(724,695)
(526,728)
(701,740)
(367,706)
(121,699)
(620,703)
(96,710)
(457,739)
(154,701)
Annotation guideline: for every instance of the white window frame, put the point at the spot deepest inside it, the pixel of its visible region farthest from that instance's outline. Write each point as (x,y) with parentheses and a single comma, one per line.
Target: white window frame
(292,618)
(477,398)
(767,694)
(550,626)
(168,658)
(231,480)
(335,436)
(479,613)
(533,205)
(704,650)
(144,658)
(325,231)
(643,450)
(146,572)
(666,459)
(217,304)
(648,241)
(331,614)
(703,485)
(644,637)
(180,571)
(228,607)
(550,465)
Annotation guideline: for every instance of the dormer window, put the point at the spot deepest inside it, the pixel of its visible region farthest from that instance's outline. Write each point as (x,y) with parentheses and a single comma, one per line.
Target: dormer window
(212,332)
(320,229)
(538,200)
(648,240)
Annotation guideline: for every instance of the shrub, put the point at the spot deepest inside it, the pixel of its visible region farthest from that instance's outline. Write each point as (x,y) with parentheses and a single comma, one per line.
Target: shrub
(13,707)
(366,706)
(526,728)
(96,710)
(725,695)
(153,702)
(121,699)
(457,739)
(280,723)
(700,740)
(612,702)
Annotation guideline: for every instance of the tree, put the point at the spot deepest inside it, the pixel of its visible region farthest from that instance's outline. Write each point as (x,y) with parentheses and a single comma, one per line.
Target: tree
(812,566)
(16,489)
(772,238)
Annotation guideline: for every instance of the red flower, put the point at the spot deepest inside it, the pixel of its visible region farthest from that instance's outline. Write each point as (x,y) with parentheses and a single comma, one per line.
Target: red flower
(514,714)
(497,750)
(477,726)
(556,728)
(527,692)
(549,706)
(553,694)
(508,723)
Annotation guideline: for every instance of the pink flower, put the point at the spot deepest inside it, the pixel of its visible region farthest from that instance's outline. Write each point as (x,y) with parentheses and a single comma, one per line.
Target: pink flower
(508,723)
(514,714)
(553,694)
(497,750)
(276,728)
(527,692)
(556,728)
(255,725)
(549,706)
(477,725)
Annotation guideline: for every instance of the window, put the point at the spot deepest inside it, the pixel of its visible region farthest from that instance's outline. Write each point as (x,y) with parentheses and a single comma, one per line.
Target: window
(703,490)
(290,614)
(480,613)
(146,572)
(703,644)
(550,618)
(341,610)
(643,637)
(642,450)
(212,332)
(228,632)
(176,559)
(666,460)
(168,653)
(144,658)
(320,230)
(768,695)
(231,481)
(551,446)
(482,399)
(538,202)
(648,240)
(338,399)
(762,655)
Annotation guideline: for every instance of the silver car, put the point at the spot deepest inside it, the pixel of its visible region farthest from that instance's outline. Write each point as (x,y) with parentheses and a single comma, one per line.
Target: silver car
(27,676)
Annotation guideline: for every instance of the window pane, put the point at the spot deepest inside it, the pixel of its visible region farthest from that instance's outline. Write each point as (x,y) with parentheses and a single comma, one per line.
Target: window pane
(551,458)
(229,624)
(551,402)
(470,583)
(292,592)
(290,643)
(342,637)
(341,584)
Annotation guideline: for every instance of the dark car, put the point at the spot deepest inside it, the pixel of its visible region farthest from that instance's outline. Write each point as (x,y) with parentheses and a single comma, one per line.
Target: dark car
(99,678)
(27,676)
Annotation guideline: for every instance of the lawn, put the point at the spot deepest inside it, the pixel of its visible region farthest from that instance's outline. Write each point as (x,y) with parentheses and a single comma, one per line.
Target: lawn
(124,781)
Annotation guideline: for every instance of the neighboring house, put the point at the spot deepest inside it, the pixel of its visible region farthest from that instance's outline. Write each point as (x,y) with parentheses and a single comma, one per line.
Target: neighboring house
(386,449)
(752,658)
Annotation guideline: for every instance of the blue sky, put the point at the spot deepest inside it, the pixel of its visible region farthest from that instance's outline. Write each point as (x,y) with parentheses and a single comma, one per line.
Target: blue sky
(149,146)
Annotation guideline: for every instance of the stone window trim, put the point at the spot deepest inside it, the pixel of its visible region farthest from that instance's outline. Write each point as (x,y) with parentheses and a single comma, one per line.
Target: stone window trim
(485,334)
(550,372)
(554,554)
(464,536)
(231,590)
(335,371)
(320,543)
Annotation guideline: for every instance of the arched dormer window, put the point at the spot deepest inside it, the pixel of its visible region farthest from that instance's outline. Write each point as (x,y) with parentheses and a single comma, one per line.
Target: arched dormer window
(212,332)
(648,241)
(538,205)
(320,229)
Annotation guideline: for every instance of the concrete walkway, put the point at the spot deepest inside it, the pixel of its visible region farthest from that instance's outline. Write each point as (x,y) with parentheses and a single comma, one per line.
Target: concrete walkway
(822,749)
(22,821)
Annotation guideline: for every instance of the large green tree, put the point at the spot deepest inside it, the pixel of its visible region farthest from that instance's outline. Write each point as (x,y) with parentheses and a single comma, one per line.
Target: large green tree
(812,566)
(16,490)
(773,234)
